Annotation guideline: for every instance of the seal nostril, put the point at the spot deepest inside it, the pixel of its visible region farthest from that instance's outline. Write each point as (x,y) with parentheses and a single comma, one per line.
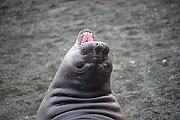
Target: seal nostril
(99,47)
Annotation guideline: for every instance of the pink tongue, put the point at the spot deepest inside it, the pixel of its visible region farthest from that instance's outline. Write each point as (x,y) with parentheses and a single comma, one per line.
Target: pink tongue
(87,37)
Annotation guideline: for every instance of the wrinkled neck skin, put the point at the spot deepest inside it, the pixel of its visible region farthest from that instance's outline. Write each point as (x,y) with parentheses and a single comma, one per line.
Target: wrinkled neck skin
(92,82)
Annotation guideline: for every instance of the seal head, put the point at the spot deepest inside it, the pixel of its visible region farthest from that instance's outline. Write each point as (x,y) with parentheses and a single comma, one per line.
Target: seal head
(81,87)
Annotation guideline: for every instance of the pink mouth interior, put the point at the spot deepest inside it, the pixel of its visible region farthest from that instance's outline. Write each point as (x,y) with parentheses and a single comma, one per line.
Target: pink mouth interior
(87,36)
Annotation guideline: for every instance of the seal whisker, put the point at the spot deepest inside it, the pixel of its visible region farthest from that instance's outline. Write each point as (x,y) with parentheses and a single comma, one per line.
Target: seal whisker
(111,54)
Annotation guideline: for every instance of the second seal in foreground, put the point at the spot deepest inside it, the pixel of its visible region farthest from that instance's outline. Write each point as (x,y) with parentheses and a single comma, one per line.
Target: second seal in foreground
(81,87)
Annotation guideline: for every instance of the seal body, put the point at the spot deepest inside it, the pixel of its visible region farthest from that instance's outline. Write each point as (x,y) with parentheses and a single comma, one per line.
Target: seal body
(81,87)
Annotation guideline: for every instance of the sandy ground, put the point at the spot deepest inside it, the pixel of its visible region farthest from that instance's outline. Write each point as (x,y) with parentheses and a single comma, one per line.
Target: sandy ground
(144,36)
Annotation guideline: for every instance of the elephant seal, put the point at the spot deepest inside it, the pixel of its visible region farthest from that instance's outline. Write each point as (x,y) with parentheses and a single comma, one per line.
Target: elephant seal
(81,87)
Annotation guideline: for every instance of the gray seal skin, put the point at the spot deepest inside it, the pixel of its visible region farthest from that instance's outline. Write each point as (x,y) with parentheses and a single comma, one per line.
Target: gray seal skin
(81,87)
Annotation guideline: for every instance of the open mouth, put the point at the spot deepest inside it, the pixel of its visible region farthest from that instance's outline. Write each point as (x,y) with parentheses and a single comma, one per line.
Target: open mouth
(87,36)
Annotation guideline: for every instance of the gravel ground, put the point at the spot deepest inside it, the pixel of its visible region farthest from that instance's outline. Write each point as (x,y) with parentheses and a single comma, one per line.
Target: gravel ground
(144,36)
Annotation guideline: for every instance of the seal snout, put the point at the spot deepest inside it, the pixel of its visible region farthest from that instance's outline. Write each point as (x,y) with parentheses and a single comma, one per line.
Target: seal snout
(87,40)
(99,48)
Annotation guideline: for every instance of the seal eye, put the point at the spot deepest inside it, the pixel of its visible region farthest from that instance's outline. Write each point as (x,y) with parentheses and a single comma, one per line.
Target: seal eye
(80,65)
(106,66)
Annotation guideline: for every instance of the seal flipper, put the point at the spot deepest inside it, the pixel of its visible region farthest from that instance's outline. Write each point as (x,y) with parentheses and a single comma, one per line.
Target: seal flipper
(85,35)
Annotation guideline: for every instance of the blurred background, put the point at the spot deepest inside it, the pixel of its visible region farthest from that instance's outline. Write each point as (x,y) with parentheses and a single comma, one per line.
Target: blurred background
(144,36)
